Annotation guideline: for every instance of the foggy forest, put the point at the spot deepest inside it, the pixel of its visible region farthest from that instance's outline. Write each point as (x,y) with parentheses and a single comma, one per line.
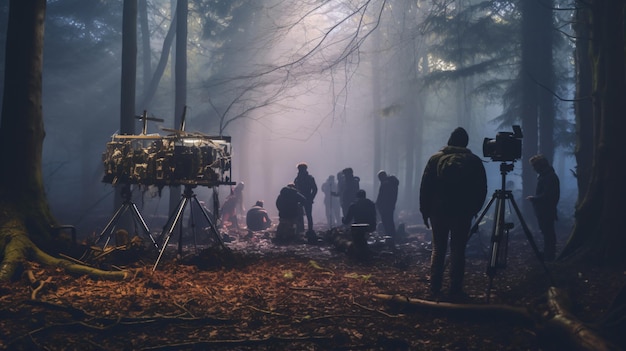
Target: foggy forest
(288,87)
(364,84)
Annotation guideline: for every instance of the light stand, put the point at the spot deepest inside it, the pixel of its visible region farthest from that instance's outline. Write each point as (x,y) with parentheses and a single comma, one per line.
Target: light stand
(499,249)
(175,218)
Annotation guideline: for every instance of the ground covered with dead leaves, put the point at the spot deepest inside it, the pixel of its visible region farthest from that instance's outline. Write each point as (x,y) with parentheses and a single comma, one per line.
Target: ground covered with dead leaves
(262,296)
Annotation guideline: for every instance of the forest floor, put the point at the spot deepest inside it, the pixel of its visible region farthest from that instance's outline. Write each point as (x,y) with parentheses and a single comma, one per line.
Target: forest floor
(263,296)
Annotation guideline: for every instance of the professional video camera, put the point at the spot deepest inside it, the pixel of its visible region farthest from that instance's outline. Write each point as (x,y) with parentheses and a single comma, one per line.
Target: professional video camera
(506,146)
(180,159)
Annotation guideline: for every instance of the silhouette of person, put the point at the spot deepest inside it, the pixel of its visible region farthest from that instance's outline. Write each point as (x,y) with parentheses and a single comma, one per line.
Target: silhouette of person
(361,216)
(305,184)
(331,204)
(348,186)
(361,211)
(233,205)
(257,217)
(386,203)
(544,202)
(289,203)
(340,186)
(450,213)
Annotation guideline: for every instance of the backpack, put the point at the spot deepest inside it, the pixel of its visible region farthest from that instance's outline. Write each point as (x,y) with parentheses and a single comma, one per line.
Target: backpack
(453,170)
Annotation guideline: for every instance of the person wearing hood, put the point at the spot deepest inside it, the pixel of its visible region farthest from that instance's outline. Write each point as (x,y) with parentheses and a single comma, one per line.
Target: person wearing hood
(452,192)
(544,202)
(305,184)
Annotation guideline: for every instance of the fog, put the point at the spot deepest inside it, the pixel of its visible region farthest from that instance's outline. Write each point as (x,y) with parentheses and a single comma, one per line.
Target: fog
(333,86)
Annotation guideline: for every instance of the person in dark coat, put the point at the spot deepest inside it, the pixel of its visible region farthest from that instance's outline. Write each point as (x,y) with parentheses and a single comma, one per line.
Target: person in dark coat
(544,203)
(289,203)
(305,183)
(450,212)
(361,216)
(362,211)
(348,186)
(386,203)
(257,218)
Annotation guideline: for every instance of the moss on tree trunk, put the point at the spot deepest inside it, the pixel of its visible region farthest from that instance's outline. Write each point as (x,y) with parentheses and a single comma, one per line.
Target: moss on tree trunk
(24,210)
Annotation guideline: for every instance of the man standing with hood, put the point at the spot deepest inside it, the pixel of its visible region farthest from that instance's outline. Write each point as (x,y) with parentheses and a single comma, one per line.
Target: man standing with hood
(545,201)
(453,190)
(305,183)
(386,204)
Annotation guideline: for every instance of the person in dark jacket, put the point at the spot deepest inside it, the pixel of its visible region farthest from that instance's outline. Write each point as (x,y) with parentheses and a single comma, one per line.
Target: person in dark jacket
(386,204)
(289,203)
(257,218)
(361,216)
(348,185)
(362,211)
(544,203)
(450,212)
(305,183)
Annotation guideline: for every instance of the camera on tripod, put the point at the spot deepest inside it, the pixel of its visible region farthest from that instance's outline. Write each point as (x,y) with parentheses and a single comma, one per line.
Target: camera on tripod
(506,146)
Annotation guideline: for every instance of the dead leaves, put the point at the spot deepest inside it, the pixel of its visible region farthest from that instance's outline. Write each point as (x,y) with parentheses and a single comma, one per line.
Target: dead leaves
(279,300)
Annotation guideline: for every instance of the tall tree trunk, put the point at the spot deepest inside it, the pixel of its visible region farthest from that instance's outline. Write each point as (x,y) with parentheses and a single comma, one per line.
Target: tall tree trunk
(21,184)
(129,67)
(599,220)
(583,106)
(25,216)
(545,78)
(129,74)
(146,52)
(376,107)
(151,89)
(180,76)
(530,92)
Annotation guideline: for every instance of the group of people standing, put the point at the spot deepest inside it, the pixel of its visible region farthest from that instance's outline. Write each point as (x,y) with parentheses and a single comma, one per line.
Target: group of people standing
(344,201)
(453,190)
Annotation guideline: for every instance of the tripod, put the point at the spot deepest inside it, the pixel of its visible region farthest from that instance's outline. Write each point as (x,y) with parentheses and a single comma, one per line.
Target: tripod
(137,218)
(501,228)
(175,219)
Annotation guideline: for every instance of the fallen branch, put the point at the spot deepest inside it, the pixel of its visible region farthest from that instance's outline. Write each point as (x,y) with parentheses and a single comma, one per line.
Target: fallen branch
(559,326)
(518,314)
(566,327)
(272,340)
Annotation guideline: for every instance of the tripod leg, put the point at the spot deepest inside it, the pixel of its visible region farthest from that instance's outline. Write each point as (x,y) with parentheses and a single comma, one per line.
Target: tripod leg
(211,224)
(529,236)
(498,232)
(111,225)
(139,219)
(480,218)
(193,226)
(174,219)
(496,237)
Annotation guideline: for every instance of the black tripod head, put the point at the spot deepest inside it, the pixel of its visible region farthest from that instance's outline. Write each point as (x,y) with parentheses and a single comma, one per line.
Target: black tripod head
(506,167)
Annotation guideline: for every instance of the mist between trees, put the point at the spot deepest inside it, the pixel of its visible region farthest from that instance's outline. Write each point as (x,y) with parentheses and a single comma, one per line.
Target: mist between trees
(364,84)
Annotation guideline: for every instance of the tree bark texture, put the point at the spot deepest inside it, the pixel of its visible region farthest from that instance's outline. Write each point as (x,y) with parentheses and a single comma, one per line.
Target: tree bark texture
(21,129)
(583,105)
(599,218)
(25,217)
